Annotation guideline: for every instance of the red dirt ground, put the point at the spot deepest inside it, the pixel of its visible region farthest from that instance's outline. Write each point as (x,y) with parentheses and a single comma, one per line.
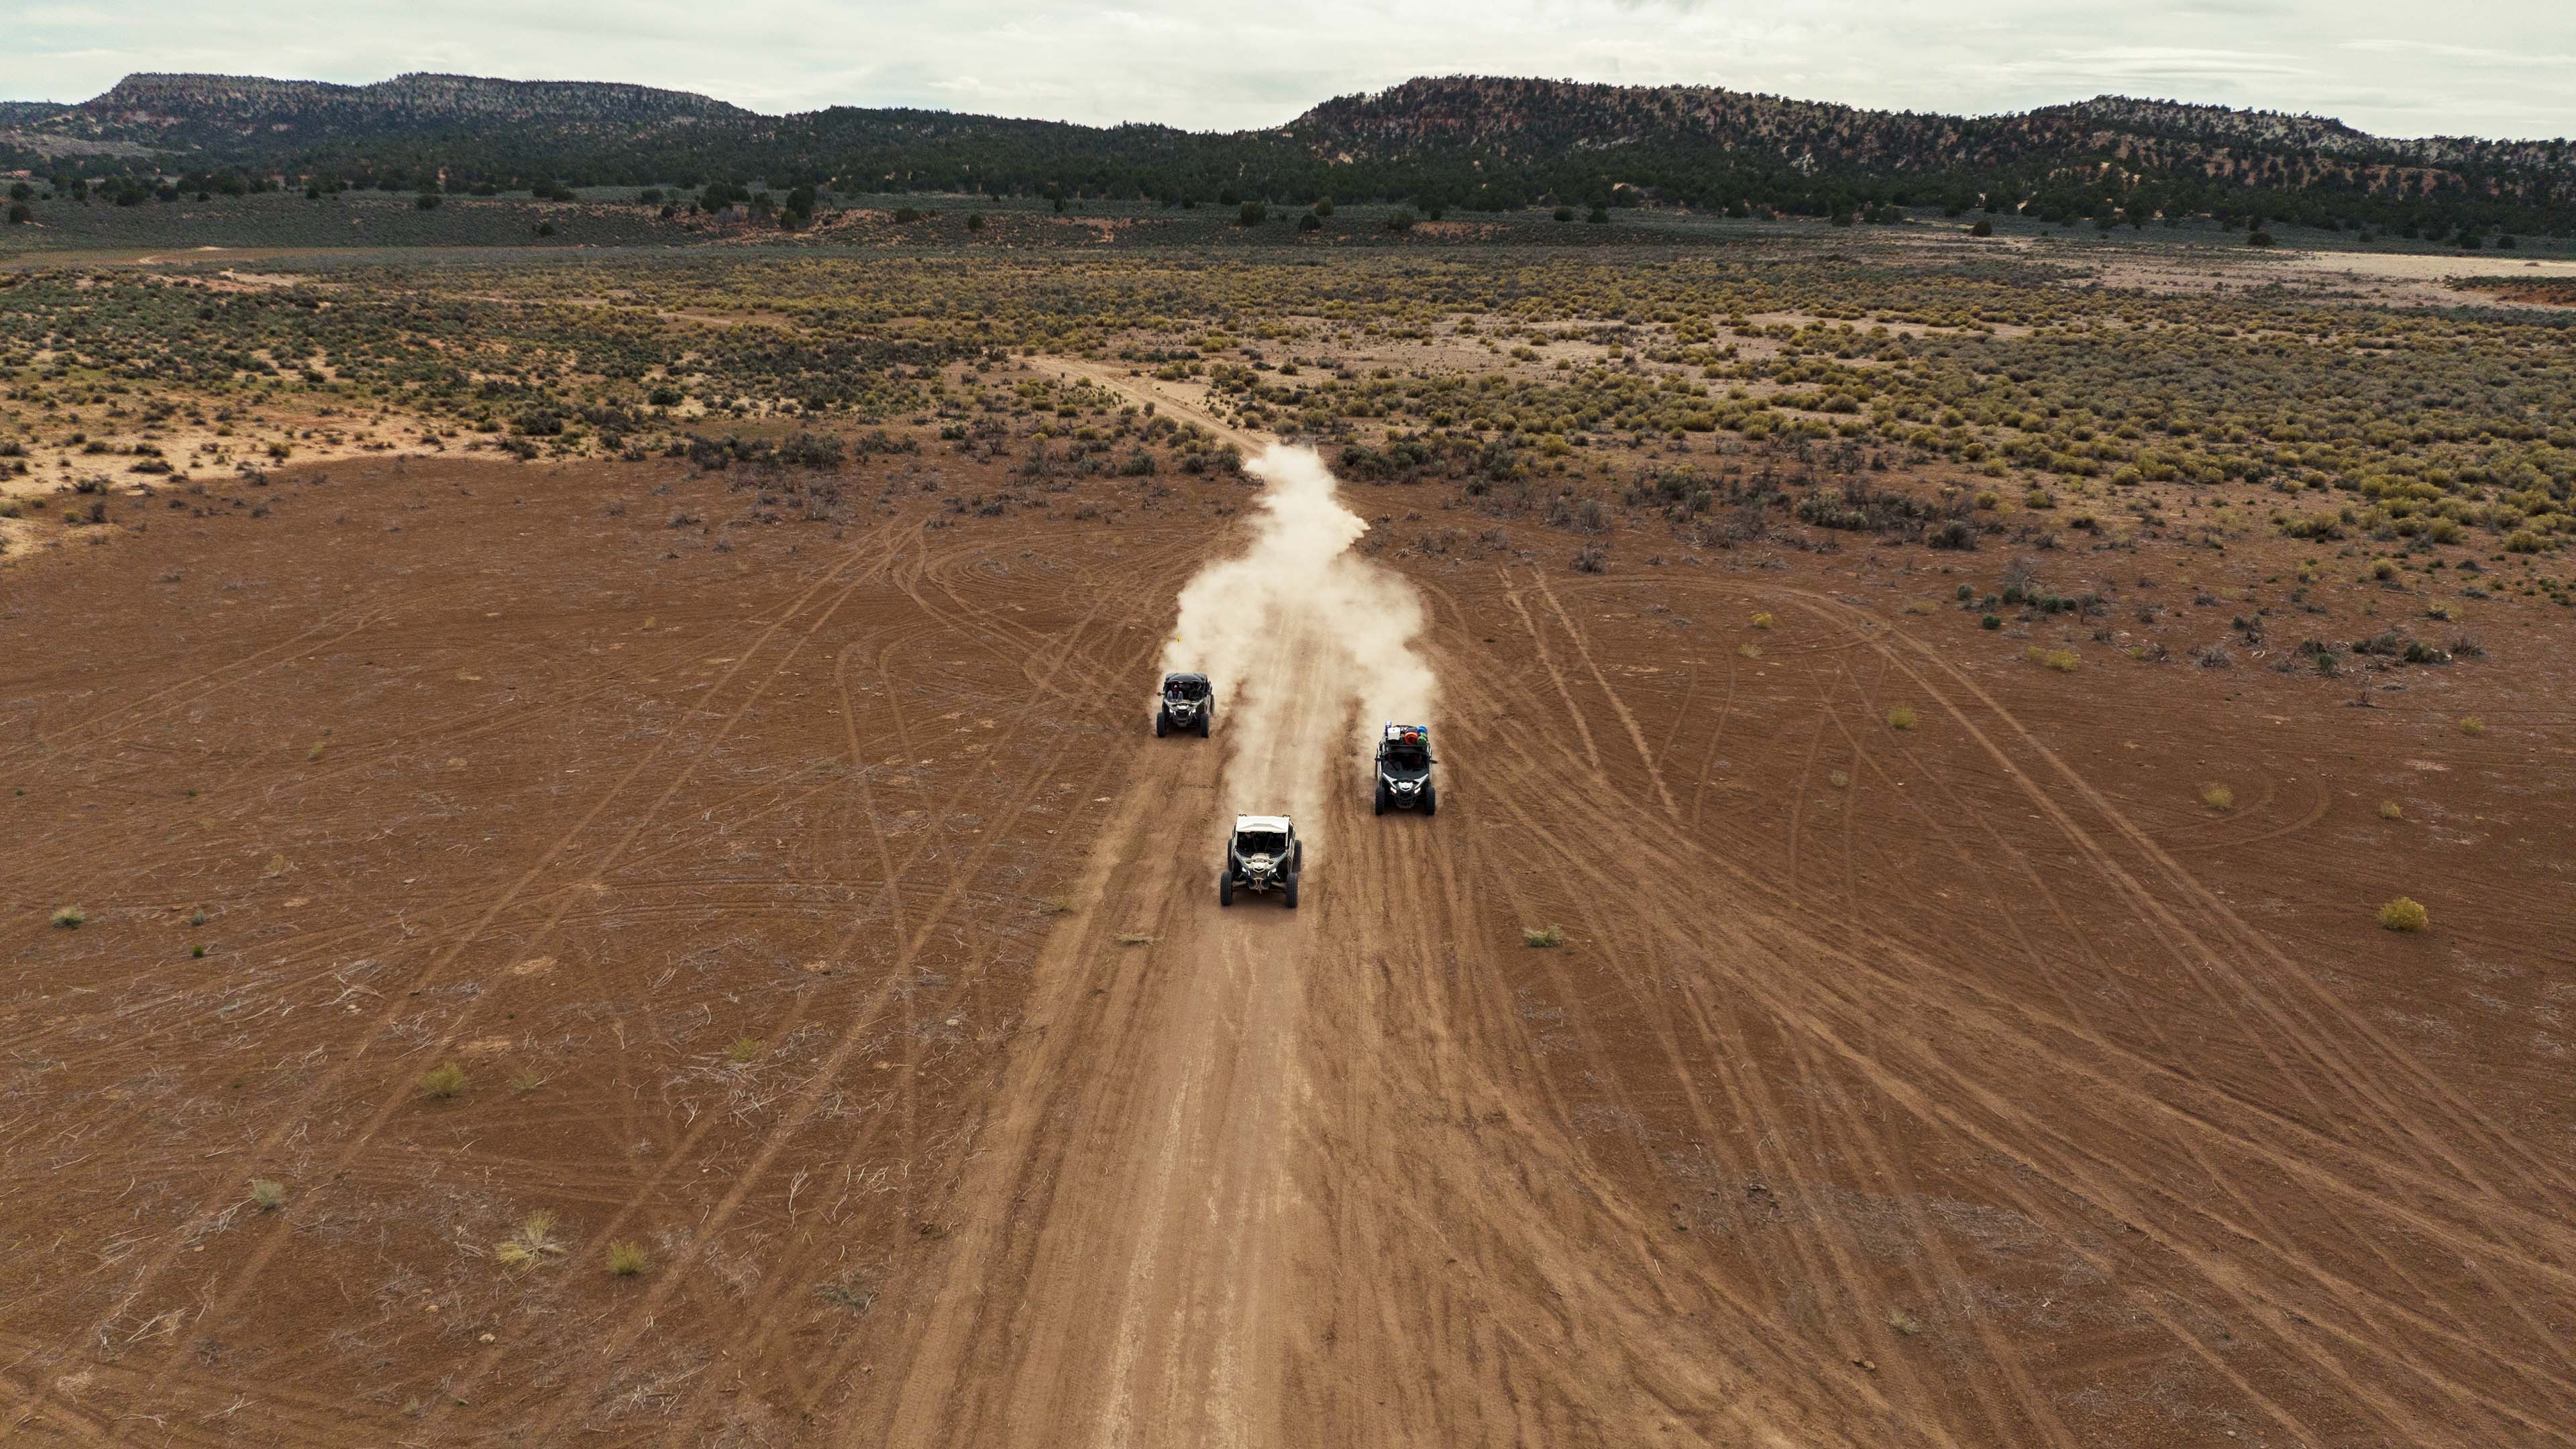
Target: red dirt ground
(1966,1085)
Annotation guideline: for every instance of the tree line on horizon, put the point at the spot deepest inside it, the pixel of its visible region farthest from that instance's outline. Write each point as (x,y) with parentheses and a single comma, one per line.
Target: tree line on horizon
(1437,147)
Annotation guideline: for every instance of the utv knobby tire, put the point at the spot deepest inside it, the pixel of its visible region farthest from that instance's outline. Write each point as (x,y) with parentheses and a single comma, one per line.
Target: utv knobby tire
(1430,802)
(1224,889)
(1162,722)
(1380,807)
(1203,726)
(1291,898)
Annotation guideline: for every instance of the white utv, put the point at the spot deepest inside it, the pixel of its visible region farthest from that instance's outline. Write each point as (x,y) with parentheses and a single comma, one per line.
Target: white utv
(1263,855)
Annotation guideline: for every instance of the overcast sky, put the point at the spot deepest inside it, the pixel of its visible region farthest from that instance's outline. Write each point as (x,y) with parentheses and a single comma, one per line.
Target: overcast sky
(2482,67)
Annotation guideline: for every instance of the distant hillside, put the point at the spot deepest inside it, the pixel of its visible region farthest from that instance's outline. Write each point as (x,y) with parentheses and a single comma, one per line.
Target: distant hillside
(1461,142)
(248,116)
(1704,138)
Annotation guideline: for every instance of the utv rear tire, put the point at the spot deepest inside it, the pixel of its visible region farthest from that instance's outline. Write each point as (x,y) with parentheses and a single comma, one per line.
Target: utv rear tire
(1380,807)
(1430,801)
(1203,726)
(1162,722)
(1292,893)
(1224,888)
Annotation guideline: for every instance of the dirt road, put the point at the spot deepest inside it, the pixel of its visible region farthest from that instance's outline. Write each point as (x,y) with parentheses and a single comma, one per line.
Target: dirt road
(1962,1085)
(1186,402)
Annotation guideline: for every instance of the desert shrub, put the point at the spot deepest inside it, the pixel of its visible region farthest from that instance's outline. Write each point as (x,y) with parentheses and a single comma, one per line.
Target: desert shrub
(626,1259)
(1591,559)
(2064,661)
(266,1195)
(442,1082)
(812,450)
(1542,936)
(70,918)
(2403,914)
(2391,810)
(531,1245)
(2472,726)
(1762,621)
(1900,718)
(2218,797)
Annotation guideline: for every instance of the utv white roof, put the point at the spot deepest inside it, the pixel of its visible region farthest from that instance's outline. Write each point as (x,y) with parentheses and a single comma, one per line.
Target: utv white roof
(1278,823)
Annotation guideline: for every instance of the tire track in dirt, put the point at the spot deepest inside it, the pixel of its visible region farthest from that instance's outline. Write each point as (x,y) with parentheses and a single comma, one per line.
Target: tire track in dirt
(327,944)
(799,1111)
(2384,1100)
(2078,1024)
(764,1315)
(1618,706)
(1535,1247)
(1605,887)
(106,726)
(274,1241)
(1148,1262)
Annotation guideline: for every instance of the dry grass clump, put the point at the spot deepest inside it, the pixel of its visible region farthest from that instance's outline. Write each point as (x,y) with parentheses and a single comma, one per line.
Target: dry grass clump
(853,1290)
(2391,810)
(532,1244)
(443,1082)
(1542,936)
(69,918)
(2405,913)
(2064,661)
(1838,780)
(1136,938)
(2218,798)
(744,1050)
(1762,621)
(1056,905)
(1900,718)
(2472,726)
(266,1195)
(1749,651)
(626,1259)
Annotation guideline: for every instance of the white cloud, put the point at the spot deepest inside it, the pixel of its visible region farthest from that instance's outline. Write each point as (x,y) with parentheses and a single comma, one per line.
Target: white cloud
(1189,63)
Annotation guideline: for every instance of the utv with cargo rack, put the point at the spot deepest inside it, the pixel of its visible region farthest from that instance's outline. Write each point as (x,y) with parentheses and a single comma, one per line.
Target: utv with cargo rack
(1404,770)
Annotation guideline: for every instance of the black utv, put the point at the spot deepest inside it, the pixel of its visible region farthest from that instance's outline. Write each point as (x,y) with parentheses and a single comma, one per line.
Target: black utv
(1262,855)
(1404,770)
(1188,703)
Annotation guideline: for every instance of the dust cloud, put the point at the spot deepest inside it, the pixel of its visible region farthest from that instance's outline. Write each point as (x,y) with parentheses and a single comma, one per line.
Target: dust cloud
(1307,643)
